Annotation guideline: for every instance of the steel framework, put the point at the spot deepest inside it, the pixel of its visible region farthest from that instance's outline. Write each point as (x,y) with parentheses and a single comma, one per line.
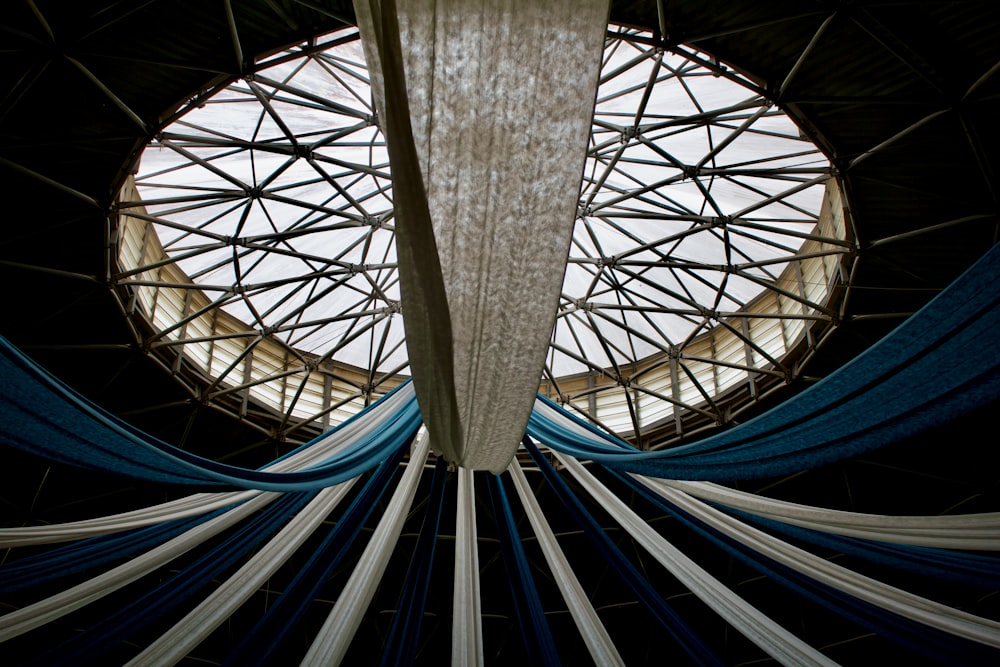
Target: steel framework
(256,253)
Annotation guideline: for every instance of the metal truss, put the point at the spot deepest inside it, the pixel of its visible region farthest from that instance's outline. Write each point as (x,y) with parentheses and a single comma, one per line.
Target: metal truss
(256,246)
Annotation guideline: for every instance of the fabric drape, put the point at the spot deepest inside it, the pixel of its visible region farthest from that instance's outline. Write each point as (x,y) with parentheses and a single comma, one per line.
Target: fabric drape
(487,128)
(975,532)
(182,508)
(45,417)
(599,643)
(279,622)
(914,607)
(333,639)
(89,554)
(697,650)
(175,643)
(763,631)
(467,623)
(105,634)
(917,378)
(536,635)
(403,642)
(57,606)
(929,641)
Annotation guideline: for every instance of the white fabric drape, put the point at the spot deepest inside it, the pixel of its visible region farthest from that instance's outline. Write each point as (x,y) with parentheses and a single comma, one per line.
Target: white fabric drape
(960,531)
(494,103)
(595,636)
(333,639)
(56,606)
(771,637)
(914,607)
(191,630)
(202,503)
(467,621)
(188,506)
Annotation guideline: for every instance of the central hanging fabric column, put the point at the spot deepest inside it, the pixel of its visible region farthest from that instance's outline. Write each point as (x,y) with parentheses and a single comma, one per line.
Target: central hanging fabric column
(486,106)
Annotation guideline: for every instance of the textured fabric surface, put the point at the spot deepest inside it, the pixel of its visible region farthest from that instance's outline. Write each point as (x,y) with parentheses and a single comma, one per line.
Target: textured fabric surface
(467,623)
(763,631)
(191,630)
(672,623)
(103,634)
(499,122)
(57,606)
(978,532)
(914,607)
(595,636)
(402,646)
(915,379)
(536,635)
(45,417)
(331,642)
(277,626)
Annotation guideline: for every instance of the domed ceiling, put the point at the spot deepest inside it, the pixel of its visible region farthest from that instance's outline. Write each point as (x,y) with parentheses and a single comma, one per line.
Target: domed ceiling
(900,99)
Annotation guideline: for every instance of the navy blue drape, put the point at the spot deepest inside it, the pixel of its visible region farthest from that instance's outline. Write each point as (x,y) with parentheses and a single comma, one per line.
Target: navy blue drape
(44,416)
(922,375)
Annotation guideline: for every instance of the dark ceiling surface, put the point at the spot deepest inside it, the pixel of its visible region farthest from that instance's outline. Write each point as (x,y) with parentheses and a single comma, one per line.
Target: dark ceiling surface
(903,96)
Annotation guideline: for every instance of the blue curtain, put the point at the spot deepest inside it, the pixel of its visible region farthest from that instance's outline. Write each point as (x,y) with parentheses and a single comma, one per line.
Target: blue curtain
(402,645)
(157,602)
(927,642)
(45,417)
(276,626)
(967,569)
(676,628)
(78,557)
(539,645)
(919,376)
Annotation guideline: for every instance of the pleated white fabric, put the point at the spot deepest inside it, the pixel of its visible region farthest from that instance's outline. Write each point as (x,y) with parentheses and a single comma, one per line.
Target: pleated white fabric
(60,604)
(191,630)
(467,622)
(914,607)
(500,96)
(202,503)
(980,532)
(181,508)
(331,643)
(595,636)
(771,637)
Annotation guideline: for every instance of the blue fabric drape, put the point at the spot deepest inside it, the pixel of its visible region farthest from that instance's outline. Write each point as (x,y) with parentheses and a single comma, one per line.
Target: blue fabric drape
(958,567)
(45,417)
(88,554)
(919,376)
(539,645)
(144,610)
(274,628)
(402,645)
(676,628)
(925,641)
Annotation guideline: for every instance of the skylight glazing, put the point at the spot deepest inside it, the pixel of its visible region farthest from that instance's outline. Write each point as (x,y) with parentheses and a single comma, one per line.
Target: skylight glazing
(258,241)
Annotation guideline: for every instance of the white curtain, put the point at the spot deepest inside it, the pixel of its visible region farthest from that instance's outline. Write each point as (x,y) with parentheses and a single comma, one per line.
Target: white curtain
(201,503)
(214,610)
(487,106)
(599,644)
(47,610)
(978,532)
(753,624)
(917,608)
(334,638)
(467,620)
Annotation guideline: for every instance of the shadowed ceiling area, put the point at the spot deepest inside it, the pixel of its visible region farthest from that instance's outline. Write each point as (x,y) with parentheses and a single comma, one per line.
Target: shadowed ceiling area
(900,97)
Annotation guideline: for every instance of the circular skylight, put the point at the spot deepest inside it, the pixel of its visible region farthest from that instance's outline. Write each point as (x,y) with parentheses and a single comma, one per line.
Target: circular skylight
(258,239)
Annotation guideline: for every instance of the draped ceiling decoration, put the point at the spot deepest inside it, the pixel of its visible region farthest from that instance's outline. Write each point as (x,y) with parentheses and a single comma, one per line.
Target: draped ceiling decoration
(492,126)
(52,420)
(468,514)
